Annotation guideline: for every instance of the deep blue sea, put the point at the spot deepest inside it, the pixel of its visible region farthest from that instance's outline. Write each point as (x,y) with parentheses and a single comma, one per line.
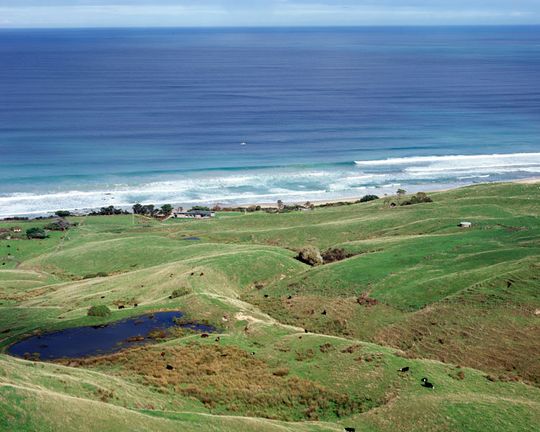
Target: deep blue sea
(113,116)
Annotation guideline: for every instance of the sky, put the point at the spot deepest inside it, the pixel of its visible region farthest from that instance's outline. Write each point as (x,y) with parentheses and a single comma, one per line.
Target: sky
(258,13)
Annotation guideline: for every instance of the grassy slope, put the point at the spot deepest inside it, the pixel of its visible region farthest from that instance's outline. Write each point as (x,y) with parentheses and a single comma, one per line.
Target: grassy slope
(464,297)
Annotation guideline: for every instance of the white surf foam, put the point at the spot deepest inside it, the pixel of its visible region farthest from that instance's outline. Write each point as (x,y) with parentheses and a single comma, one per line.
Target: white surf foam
(476,160)
(294,184)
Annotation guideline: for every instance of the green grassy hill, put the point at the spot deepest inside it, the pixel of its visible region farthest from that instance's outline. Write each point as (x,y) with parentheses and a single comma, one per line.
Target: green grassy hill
(460,306)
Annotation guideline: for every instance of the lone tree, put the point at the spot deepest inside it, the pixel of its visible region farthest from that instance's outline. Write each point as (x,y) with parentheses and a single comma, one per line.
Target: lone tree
(137,208)
(280,205)
(400,193)
(166,209)
(62,213)
(36,233)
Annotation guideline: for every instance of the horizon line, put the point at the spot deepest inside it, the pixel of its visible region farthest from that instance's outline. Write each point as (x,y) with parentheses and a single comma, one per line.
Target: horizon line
(255,27)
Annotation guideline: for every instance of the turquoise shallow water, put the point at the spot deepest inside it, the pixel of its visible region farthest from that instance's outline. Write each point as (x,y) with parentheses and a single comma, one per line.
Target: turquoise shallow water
(99,117)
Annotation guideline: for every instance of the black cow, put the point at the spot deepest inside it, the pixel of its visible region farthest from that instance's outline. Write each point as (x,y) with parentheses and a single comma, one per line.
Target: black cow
(426,383)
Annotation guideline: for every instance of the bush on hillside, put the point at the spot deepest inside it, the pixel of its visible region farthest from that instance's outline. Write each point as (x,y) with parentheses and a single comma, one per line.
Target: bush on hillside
(99,311)
(310,255)
(335,254)
(95,275)
(36,233)
(179,292)
(62,213)
(367,198)
(420,197)
(58,225)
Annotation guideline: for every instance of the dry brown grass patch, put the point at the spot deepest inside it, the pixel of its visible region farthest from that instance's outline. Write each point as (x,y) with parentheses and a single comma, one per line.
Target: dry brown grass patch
(228,379)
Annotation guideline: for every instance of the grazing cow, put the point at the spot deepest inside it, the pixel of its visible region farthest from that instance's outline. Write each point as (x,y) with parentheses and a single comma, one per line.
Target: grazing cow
(121,306)
(202,274)
(404,369)
(102,297)
(266,296)
(169,367)
(205,335)
(253,353)
(323,312)
(306,331)
(350,429)
(136,304)
(289,298)
(162,353)
(426,383)
(218,339)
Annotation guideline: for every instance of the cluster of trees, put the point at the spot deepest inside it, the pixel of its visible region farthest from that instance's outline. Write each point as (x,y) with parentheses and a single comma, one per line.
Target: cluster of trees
(58,225)
(152,210)
(420,197)
(108,211)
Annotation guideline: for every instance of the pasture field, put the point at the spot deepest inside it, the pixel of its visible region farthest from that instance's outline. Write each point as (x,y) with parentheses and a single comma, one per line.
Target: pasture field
(297,348)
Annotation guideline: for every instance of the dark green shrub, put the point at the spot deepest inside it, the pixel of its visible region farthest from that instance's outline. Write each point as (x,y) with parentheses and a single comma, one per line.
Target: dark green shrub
(367,198)
(58,225)
(179,292)
(36,233)
(420,197)
(99,311)
(62,213)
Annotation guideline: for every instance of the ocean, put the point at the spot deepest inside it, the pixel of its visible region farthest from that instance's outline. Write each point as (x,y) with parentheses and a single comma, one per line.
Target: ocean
(97,117)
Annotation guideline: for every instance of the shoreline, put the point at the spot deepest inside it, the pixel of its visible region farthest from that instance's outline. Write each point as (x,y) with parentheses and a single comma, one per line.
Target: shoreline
(531,180)
(348,200)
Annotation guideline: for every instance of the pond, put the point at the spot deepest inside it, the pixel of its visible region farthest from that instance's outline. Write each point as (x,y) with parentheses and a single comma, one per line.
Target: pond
(101,339)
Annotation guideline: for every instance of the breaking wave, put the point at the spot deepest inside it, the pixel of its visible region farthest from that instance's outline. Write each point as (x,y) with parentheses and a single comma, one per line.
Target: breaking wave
(295,183)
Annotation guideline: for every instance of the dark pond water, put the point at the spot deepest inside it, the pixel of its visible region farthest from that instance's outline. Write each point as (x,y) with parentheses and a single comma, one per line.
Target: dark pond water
(95,340)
